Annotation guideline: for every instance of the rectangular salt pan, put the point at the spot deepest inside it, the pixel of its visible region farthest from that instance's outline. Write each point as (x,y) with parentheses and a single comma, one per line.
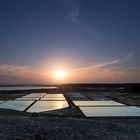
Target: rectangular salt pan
(16,105)
(128,111)
(54,96)
(26,99)
(41,106)
(97,103)
(57,99)
(34,95)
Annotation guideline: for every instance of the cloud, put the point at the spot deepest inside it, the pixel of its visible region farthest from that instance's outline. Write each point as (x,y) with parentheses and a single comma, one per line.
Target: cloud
(20,74)
(13,70)
(100,65)
(73,9)
(74,15)
(107,63)
(117,70)
(128,56)
(90,31)
(15,74)
(124,57)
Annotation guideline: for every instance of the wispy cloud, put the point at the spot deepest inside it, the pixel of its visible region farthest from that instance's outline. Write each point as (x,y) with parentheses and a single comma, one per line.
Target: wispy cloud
(107,63)
(73,9)
(13,70)
(128,56)
(110,64)
(117,70)
(19,74)
(74,15)
(90,30)
(100,65)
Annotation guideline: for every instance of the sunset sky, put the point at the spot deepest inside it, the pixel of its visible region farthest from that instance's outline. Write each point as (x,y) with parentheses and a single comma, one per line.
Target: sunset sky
(90,40)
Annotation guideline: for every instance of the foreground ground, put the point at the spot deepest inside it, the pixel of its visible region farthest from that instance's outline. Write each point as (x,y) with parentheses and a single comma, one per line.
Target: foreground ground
(58,128)
(70,123)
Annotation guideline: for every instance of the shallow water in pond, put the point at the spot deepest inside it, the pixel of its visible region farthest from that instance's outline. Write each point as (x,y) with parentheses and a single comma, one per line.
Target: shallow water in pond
(41,106)
(16,105)
(130,111)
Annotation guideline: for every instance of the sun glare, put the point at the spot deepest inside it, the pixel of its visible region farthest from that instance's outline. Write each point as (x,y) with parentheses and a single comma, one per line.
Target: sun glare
(59,74)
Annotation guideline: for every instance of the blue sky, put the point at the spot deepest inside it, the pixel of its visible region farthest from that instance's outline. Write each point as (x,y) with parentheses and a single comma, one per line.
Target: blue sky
(85,37)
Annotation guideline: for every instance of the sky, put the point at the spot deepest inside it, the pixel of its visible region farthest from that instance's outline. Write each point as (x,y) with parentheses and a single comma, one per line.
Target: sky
(94,41)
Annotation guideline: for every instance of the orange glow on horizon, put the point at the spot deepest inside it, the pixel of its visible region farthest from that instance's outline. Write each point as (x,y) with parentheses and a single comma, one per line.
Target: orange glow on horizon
(59,75)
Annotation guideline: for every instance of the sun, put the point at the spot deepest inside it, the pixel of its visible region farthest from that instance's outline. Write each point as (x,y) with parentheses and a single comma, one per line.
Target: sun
(60,74)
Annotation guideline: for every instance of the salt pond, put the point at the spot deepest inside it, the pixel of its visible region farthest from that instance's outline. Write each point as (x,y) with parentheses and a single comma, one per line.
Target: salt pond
(97,103)
(126,111)
(41,106)
(16,105)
